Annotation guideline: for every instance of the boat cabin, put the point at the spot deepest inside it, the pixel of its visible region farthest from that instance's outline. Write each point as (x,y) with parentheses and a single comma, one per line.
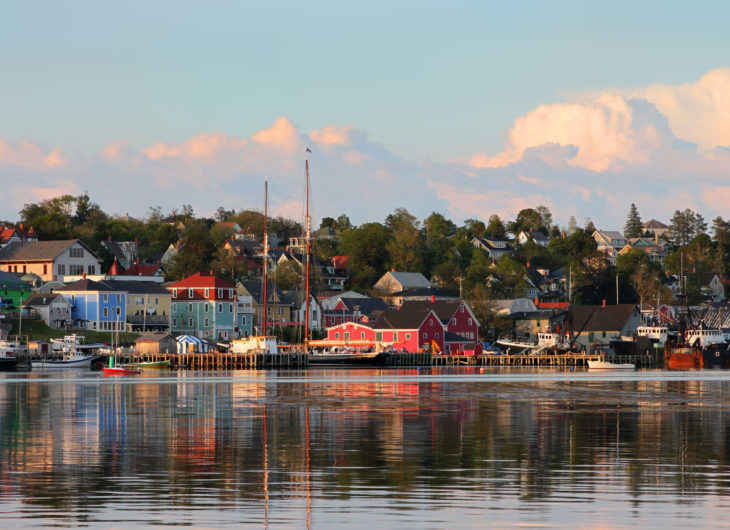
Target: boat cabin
(657,334)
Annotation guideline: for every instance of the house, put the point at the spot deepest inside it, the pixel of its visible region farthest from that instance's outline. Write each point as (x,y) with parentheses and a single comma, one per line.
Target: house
(346,308)
(393,282)
(153,272)
(657,228)
(51,260)
(204,306)
(410,331)
(511,306)
(278,309)
(53,309)
(536,237)
(125,252)
(419,294)
(13,292)
(148,305)
(600,323)
(156,343)
(12,234)
(244,315)
(460,324)
(299,308)
(653,248)
(495,248)
(95,305)
(605,238)
(551,285)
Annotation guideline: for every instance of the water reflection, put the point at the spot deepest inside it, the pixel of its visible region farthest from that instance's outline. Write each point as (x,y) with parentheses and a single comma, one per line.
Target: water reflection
(365,447)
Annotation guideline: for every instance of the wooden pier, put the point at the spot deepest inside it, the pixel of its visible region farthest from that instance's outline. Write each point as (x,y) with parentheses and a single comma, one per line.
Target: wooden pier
(219,361)
(562,360)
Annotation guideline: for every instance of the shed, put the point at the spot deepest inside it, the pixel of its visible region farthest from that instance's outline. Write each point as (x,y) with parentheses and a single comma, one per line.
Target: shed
(191,344)
(156,343)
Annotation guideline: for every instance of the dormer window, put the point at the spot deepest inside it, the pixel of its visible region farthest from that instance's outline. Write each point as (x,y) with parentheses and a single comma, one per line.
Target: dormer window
(207,293)
(174,293)
(191,293)
(220,293)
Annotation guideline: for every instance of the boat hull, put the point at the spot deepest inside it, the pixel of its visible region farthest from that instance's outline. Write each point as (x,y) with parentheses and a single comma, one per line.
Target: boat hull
(154,364)
(604,365)
(83,362)
(118,370)
(8,363)
(371,358)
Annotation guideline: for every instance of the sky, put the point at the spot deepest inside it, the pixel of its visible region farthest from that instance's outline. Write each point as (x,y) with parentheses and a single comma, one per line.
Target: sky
(464,108)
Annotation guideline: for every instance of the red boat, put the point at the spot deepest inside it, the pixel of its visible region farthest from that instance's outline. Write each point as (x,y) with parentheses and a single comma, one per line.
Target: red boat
(122,370)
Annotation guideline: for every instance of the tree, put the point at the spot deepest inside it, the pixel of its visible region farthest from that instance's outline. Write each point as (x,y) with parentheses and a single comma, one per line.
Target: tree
(405,249)
(495,228)
(343,223)
(365,248)
(572,225)
(221,214)
(51,218)
(647,284)
(531,219)
(633,226)
(288,275)
(197,251)
(684,226)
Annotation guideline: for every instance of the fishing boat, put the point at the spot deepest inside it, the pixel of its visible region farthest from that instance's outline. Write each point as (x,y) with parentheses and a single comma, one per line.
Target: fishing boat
(349,356)
(8,355)
(605,365)
(73,360)
(696,349)
(121,369)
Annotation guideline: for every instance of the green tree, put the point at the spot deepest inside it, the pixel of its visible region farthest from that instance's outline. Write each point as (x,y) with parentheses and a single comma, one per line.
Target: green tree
(633,227)
(495,228)
(288,275)
(365,248)
(405,248)
(197,252)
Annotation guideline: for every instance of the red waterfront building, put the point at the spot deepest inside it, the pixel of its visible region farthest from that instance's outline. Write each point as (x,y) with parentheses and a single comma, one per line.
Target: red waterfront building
(461,326)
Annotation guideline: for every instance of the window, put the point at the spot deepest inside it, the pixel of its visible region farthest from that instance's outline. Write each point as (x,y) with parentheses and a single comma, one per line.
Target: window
(91,269)
(190,321)
(425,335)
(174,293)
(191,293)
(362,334)
(230,294)
(157,301)
(461,309)
(347,335)
(76,252)
(453,321)
(106,312)
(379,336)
(75,270)
(206,322)
(190,308)
(436,335)
(408,336)
(139,300)
(106,297)
(207,293)
(45,268)
(174,307)
(24,269)
(61,269)
(243,320)
(220,308)
(205,308)
(220,293)
(337,334)
(174,322)
(395,336)
(119,298)
(119,311)
(230,308)
(538,322)
(430,322)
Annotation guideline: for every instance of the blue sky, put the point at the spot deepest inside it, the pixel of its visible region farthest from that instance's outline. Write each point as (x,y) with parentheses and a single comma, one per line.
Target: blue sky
(429,84)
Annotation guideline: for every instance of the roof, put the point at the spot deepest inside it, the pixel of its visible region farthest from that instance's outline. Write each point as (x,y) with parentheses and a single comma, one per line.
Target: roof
(85,284)
(155,337)
(116,269)
(423,291)
(201,279)
(339,262)
(600,318)
(399,319)
(137,287)
(41,299)
(366,306)
(653,223)
(610,234)
(10,279)
(444,309)
(410,279)
(255,288)
(39,250)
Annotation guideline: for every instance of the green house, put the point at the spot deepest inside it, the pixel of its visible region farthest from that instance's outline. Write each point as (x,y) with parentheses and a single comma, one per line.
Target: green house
(13,292)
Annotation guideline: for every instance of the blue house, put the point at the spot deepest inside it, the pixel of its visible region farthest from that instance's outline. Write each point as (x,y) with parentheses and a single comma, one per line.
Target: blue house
(95,305)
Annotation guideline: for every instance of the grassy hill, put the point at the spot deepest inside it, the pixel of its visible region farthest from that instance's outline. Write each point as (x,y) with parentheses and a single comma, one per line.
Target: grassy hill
(37,330)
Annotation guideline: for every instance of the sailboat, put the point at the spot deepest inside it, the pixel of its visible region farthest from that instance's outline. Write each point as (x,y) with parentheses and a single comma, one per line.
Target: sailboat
(260,343)
(122,369)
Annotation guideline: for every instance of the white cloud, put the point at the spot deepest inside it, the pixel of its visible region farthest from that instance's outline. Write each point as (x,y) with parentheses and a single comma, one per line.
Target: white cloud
(28,154)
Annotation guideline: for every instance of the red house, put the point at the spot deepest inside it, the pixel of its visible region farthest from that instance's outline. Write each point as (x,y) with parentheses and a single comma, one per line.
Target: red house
(462,327)
(410,330)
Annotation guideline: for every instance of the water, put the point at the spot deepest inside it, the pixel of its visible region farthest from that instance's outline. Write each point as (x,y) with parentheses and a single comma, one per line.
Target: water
(366,448)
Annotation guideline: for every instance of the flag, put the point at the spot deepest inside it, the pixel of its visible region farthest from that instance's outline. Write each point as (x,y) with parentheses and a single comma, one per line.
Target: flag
(308,150)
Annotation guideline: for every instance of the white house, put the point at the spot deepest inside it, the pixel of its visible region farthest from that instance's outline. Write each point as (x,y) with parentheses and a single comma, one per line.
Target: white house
(51,260)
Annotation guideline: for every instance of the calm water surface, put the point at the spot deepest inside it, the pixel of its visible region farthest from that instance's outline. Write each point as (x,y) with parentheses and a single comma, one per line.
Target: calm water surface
(366,448)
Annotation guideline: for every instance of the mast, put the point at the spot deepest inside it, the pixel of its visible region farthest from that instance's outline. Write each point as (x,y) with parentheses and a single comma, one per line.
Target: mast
(266,252)
(308,242)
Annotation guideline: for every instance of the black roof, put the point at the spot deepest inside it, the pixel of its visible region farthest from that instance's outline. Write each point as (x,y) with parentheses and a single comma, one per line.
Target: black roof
(444,309)
(85,284)
(137,287)
(399,319)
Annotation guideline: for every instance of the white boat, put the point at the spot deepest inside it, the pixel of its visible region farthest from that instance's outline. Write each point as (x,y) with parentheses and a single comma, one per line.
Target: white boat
(256,344)
(9,355)
(73,344)
(605,365)
(76,360)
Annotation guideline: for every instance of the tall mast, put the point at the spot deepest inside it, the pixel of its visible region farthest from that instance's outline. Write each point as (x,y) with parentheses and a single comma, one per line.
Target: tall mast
(266,252)
(308,242)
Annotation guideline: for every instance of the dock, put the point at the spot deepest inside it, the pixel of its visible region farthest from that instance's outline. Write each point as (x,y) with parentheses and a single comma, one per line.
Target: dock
(219,361)
(558,360)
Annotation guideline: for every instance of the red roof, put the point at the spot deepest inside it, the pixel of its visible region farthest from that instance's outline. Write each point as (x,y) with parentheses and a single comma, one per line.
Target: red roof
(142,270)
(116,269)
(201,279)
(339,262)
(552,305)
(6,234)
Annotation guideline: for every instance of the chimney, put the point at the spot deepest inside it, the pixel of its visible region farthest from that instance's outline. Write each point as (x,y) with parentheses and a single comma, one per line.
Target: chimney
(21,226)
(604,304)
(656,238)
(433,298)
(83,275)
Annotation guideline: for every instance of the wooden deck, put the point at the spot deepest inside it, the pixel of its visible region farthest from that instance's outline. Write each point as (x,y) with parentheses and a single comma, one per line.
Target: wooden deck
(567,360)
(220,361)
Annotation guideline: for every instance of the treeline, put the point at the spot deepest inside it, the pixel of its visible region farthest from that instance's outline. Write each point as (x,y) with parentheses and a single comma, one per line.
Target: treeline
(437,247)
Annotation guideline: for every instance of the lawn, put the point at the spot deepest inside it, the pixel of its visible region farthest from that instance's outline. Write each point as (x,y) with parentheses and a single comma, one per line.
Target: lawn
(37,330)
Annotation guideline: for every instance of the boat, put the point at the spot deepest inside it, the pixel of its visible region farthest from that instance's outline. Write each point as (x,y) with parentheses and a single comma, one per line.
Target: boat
(154,364)
(696,349)
(122,369)
(349,356)
(605,365)
(255,344)
(73,343)
(8,356)
(74,360)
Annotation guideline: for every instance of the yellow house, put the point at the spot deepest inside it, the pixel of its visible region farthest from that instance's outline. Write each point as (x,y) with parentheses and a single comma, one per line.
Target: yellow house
(148,305)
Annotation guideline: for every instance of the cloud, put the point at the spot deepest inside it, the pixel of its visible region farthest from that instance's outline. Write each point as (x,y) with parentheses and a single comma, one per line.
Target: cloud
(332,135)
(28,154)
(698,112)
(282,135)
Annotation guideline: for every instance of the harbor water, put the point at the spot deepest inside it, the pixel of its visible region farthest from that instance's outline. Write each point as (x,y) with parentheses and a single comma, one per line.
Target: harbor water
(446,447)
